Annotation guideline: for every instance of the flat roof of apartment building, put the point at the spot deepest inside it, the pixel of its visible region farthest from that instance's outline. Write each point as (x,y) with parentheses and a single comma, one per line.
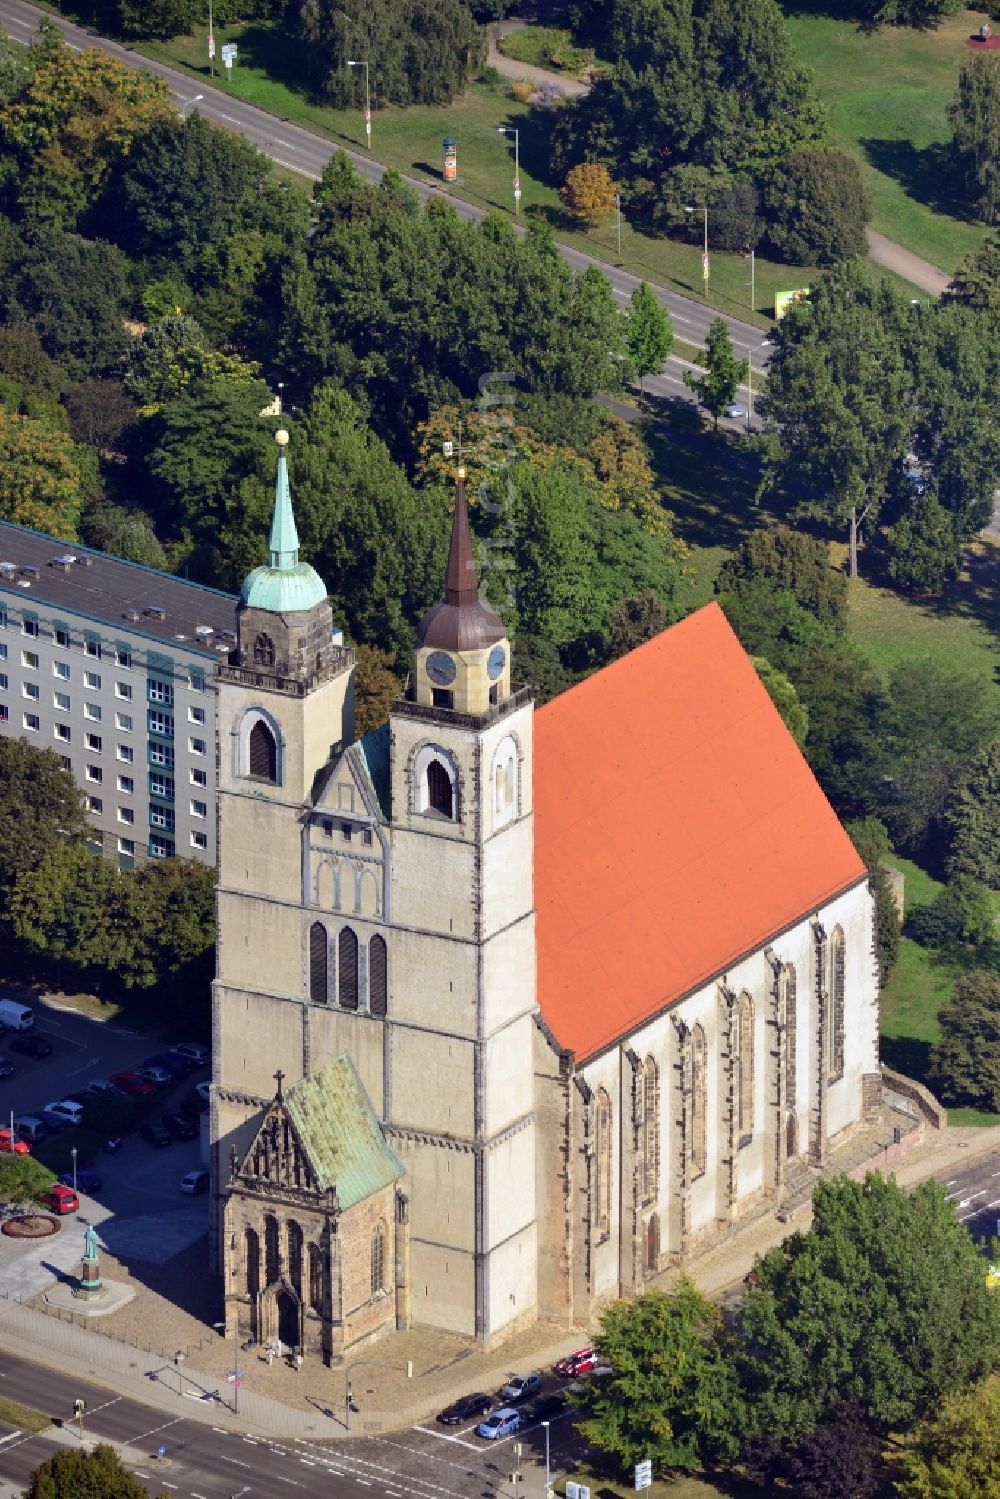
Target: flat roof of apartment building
(90,585)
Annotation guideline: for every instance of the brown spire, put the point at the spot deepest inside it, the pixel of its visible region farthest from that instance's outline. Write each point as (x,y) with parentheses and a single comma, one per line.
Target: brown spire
(462,579)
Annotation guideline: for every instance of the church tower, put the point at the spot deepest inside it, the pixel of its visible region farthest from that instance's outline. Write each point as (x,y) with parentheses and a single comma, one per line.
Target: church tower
(460,1084)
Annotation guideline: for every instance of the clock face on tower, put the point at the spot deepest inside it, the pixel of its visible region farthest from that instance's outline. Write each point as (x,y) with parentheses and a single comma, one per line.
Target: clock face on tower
(440,668)
(495,664)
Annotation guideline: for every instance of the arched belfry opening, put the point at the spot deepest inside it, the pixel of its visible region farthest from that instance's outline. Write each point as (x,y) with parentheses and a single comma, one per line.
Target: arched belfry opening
(440,793)
(263,753)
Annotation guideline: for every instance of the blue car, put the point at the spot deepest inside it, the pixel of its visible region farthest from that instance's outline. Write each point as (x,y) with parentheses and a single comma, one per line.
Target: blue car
(500,1424)
(86,1181)
(169,1061)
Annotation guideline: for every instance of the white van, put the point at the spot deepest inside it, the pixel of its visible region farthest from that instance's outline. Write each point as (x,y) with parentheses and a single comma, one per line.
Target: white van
(15,1016)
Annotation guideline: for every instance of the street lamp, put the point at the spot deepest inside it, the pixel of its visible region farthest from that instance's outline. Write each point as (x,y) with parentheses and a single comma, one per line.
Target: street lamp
(368,100)
(749,387)
(512,130)
(692,208)
(186,104)
(618,222)
(547,1475)
(73,1154)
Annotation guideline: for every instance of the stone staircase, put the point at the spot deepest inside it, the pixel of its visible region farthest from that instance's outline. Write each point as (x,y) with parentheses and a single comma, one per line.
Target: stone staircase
(799,1179)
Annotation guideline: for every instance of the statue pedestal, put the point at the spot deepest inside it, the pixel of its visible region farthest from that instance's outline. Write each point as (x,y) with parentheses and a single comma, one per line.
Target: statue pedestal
(90,1285)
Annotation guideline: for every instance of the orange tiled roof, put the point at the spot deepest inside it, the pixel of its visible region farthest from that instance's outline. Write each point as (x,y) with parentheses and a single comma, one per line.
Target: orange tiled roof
(677,827)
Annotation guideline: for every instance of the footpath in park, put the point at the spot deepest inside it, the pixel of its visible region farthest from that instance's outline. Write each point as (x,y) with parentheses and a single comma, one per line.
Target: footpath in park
(309,1404)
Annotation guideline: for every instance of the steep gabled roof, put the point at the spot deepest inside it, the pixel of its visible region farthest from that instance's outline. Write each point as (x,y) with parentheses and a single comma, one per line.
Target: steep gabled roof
(337,1128)
(677,827)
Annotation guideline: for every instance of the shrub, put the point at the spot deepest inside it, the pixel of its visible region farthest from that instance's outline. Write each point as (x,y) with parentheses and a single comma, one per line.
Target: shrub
(522,90)
(965,1061)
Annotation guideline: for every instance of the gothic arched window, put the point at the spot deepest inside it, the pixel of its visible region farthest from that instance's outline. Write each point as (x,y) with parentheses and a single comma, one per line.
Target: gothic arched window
(316,1277)
(252,1254)
(504,782)
(440,794)
(263,650)
(602,1164)
(347,969)
(378,1259)
(377,976)
(836,1017)
(319,964)
(789,1000)
(272,1255)
(263,756)
(743,1070)
(295,1255)
(650,1130)
(699,1103)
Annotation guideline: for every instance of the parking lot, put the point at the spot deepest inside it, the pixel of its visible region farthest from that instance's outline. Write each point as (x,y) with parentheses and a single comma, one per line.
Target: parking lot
(139,1211)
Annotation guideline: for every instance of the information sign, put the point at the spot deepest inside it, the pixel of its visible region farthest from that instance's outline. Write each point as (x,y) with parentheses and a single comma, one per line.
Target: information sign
(644,1474)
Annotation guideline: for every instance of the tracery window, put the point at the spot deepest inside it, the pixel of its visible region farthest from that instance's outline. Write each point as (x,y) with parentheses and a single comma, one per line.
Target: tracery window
(263,755)
(347,969)
(743,1070)
(699,1103)
(789,999)
(377,976)
(272,1256)
(316,1277)
(252,1254)
(295,1255)
(602,1164)
(378,1259)
(319,964)
(263,650)
(836,1020)
(650,1129)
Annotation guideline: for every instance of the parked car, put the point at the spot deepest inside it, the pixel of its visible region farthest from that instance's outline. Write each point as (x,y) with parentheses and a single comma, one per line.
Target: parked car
(734,409)
(70,1112)
(86,1180)
(521,1387)
(52,1120)
(204,1091)
(10,1141)
(32,1046)
(60,1199)
(31,1128)
(193,1106)
(544,1408)
(465,1409)
(103,1087)
(500,1424)
(15,1016)
(133,1084)
(583,1361)
(157,1135)
(158,1076)
(181,1126)
(194,1182)
(170,1063)
(6,1068)
(193,1050)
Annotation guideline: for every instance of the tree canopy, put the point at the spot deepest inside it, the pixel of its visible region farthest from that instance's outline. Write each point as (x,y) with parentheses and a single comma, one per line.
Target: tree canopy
(420,51)
(100,1474)
(975,121)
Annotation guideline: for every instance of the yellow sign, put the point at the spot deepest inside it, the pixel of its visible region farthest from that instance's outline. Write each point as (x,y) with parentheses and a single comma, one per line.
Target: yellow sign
(785,299)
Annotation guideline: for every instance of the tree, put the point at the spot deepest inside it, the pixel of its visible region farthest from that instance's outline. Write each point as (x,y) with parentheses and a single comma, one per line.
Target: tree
(789,560)
(72,909)
(74,295)
(936,706)
(817,207)
(842,1457)
(650,336)
(794,714)
(590,192)
(100,1474)
(100,414)
(923,552)
(724,372)
(22,1177)
(376,686)
(884,1300)
(45,480)
(537,663)
(161,18)
(40,803)
(976,282)
(975,123)
(975,819)
(422,50)
(636,620)
(124,533)
(956,1453)
(673,1395)
(961,913)
(965,1059)
(870,837)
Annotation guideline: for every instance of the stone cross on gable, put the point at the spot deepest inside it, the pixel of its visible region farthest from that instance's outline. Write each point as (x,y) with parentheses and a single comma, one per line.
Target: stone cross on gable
(279,1077)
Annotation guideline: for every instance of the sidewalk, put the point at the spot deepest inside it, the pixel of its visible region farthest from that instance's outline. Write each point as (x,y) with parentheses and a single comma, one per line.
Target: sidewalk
(886,252)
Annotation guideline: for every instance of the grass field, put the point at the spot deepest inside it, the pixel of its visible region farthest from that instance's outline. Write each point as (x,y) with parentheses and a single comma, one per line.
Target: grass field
(23,1417)
(888,95)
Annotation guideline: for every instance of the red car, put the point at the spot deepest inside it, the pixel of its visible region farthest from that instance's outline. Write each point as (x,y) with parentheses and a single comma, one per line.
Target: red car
(61,1199)
(11,1142)
(583,1361)
(131,1082)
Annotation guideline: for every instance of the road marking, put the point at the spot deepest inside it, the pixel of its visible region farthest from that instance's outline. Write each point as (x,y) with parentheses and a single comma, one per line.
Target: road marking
(90,1062)
(9,1438)
(444,1436)
(16,22)
(167,1485)
(196,1496)
(235,1460)
(308,1462)
(293,1481)
(142,1435)
(293,167)
(231,118)
(113,1401)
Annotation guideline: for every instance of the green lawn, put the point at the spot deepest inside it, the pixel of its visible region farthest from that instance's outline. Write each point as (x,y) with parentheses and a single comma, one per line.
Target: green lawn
(548,47)
(888,95)
(23,1417)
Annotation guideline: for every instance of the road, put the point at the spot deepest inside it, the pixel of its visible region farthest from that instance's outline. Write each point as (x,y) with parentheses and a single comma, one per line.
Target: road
(306,153)
(975,1193)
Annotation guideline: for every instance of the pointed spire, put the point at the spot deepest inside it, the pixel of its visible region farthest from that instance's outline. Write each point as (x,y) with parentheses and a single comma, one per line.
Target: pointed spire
(284,539)
(462,580)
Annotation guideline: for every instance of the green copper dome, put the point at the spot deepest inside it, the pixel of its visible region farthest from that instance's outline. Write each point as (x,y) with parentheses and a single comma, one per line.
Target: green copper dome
(286,585)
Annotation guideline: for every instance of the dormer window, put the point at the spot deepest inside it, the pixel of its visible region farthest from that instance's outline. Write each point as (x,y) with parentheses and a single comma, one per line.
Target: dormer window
(263,650)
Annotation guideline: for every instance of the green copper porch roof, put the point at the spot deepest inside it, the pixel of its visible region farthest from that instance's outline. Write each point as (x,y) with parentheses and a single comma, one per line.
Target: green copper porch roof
(335,1121)
(286,585)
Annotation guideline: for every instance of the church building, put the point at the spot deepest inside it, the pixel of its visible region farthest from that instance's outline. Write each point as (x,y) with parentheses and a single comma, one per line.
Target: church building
(513,1010)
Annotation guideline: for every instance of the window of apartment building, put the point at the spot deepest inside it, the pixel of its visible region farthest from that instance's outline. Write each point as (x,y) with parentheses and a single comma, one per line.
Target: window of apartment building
(95,805)
(160,847)
(92,711)
(161,785)
(126,845)
(162,754)
(30,660)
(160,723)
(3,652)
(125,752)
(199,840)
(62,637)
(32,690)
(93,742)
(126,784)
(196,681)
(3,712)
(94,773)
(196,715)
(196,746)
(66,762)
(123,657)
(29,625)
(199,777)
(3,618)
(3,681)
(92,647)
(123,721)
(126,815)
(199,809)
(161,817)
(161,692)
(30,721)
(92,679)
(60,700)
(124,691)
(60,669)
(61,731)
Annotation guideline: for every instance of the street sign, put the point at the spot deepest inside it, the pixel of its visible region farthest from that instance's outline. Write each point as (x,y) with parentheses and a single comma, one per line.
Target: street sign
(211,49)
(517,183)
(161,1451)
(577,1490)
(517,192)
(644,1474)
(229,53)
(704,265)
